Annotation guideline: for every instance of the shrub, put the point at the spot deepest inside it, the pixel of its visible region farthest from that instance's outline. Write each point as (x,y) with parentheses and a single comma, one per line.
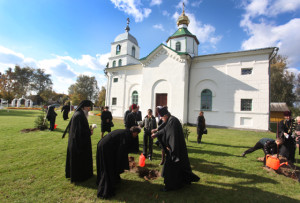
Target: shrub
(41,122)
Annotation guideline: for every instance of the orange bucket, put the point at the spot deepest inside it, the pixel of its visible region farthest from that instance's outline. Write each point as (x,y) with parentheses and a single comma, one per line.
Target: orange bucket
(273,162)
(142,160)
(55,126)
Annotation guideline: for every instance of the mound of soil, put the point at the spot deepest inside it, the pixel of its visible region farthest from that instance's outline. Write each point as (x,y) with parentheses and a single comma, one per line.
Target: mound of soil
(29,130)
(143,172)
(290,170)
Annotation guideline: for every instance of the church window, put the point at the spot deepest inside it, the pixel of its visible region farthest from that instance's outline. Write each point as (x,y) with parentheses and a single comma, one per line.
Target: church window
(114,63)
(118,49)
(133,51)
(206,100)
(114,101)
(178,46)
(246,104)
(246,71)
(135,97)
(120,62)
(116,79)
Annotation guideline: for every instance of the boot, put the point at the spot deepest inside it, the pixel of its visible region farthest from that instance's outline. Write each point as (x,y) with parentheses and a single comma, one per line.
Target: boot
(162,158)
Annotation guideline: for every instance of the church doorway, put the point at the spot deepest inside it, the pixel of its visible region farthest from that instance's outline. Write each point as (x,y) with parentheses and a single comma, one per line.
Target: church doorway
(161,100)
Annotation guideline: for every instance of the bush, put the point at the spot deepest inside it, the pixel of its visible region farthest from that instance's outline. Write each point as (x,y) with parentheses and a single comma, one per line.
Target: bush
(41,123)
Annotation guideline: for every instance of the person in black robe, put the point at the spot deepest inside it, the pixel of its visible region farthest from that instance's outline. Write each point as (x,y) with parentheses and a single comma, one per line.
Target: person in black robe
(126,114)
(131,120)
(112,159)
(177,170)
(200,126)
(51,117)
(79,162)
(106,121)
(286,129)
(65,109)
(139,114)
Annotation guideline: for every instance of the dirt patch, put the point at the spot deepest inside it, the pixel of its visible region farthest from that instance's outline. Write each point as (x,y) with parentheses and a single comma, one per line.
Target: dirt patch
(29,130)
(143,172)
(290,170)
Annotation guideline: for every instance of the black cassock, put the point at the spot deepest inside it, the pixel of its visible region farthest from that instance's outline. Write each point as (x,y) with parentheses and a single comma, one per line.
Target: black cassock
(177,170)
(106,126)
(288,148)
(131,120)
(79,164)
(51,116)
(112,160)
(65,109)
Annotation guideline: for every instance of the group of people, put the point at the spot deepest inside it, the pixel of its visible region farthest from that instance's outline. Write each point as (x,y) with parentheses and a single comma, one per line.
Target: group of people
(51,114)
(287,140)
(113,148)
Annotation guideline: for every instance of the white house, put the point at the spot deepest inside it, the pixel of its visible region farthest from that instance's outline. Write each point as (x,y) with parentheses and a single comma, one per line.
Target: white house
(231,88)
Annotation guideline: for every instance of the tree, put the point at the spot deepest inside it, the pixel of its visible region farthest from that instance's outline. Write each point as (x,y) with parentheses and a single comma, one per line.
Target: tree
(85,88)
(297,91)
(40,81)
(101,97)
(282,81)
(6,85)
(22,78)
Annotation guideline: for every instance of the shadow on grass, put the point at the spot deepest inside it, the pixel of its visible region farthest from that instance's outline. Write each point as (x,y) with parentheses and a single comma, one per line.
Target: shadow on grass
(90,183)
(220,145)
(144,191)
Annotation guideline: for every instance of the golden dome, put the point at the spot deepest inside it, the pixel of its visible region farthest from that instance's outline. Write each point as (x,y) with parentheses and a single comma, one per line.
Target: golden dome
(183,19)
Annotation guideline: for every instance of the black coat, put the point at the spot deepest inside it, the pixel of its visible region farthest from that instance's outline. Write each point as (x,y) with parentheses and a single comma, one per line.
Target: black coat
(106,119)
(79,164)
(270,147)
(131,120)
(200,125)
(288,148)
(112,160)
(125,115)
(65,109)
(51,115)
(139,116)
(177,170)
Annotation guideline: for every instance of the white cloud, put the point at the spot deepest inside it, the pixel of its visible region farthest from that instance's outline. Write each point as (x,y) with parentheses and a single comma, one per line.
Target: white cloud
(270,8)
(159,27)
(204,32)
(61,68)
(8,56)
(165,13)
(196,3)
(263,32)
(155,2)
(133,8)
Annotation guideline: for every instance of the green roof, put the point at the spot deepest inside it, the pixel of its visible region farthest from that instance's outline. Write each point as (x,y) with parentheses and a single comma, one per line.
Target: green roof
(181,32)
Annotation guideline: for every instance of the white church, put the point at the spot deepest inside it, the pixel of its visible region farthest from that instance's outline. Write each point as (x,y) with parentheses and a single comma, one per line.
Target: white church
(232,89)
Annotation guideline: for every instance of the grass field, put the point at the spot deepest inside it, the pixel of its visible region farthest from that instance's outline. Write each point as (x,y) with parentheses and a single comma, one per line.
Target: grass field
(32,168)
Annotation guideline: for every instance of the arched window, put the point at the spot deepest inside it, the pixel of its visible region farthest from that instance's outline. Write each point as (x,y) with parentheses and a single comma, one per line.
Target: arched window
(206,100)
(135,97)
(114,63)
(178,46)
(120,62)
(118,49)
(133,51)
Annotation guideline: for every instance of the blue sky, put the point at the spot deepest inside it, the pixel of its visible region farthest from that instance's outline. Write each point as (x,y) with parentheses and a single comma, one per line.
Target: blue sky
(72,37)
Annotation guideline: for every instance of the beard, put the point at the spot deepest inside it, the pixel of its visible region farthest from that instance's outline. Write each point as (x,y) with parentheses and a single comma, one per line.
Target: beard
(86,113)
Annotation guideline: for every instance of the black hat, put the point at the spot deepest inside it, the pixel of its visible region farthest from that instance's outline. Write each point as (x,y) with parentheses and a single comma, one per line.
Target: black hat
(163,111)
(84,103)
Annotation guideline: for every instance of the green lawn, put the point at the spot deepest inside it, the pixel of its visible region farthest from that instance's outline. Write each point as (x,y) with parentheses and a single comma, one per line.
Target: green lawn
(32,168)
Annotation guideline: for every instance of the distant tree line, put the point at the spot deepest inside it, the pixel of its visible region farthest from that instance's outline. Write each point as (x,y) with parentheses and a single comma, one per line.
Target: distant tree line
(36,85)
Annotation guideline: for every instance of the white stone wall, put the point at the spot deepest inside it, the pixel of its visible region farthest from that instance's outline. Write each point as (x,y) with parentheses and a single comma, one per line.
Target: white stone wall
(223,77)
(164,74)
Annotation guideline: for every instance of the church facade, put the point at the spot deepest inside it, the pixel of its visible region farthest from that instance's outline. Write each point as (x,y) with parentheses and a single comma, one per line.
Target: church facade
(232,89)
